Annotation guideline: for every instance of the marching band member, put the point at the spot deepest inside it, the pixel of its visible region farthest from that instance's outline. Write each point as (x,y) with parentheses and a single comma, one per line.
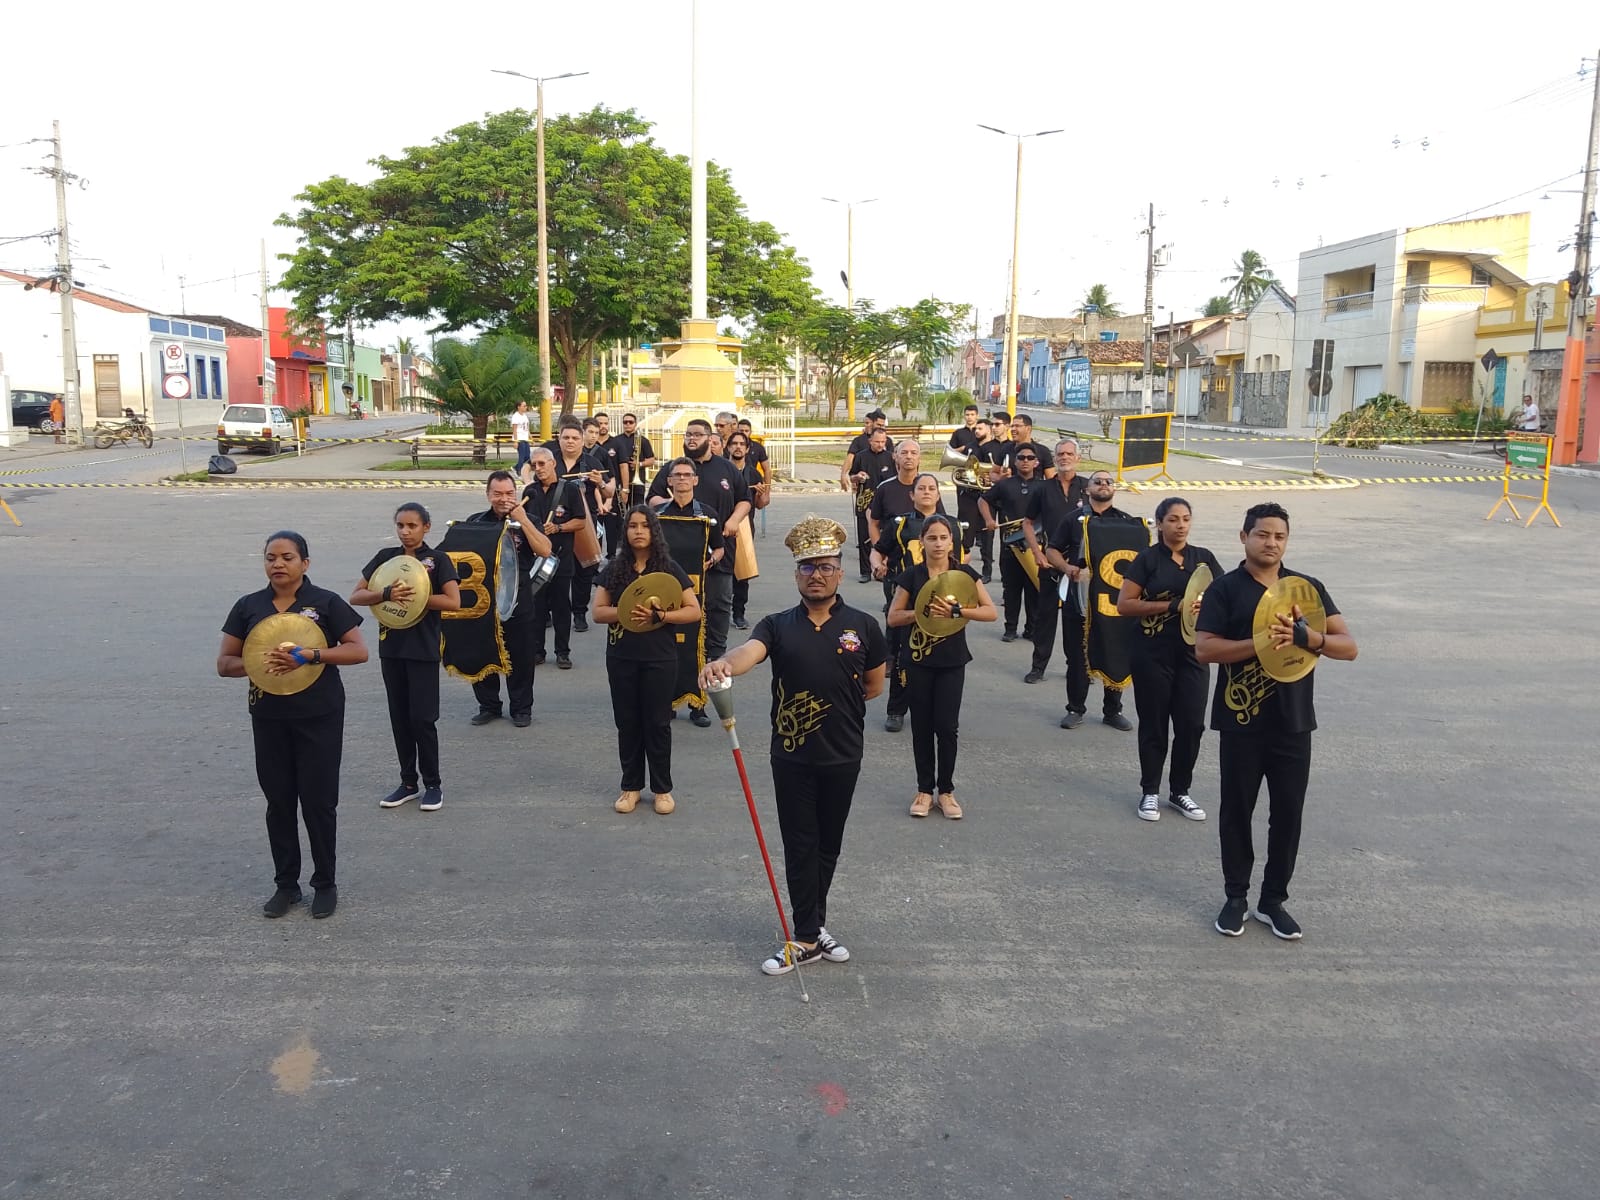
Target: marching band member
(741,453)
(557,506)
(299,738)
(1169,683)
(529,537)
(642,667)
(898,548)
(935,667)
(1007,501)
(867,467)
(1066,555)
(1264,726)
(409,658)
(1049,504)
(827,661)
(682,482)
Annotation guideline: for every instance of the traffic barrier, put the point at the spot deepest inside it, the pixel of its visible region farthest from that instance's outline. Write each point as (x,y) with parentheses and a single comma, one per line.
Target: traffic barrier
(1527,450)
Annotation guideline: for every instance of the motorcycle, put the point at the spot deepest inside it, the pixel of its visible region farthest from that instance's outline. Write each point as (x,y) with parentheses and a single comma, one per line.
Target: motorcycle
(132,425)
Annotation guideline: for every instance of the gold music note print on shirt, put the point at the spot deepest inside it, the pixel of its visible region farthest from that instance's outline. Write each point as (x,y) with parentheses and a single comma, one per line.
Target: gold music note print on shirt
(798,716)
(1153,625)
(1246,688)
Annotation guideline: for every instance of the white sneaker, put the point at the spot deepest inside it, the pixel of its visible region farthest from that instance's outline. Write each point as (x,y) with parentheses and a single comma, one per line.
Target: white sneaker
(831,949)
(1187,807)
(1149,808)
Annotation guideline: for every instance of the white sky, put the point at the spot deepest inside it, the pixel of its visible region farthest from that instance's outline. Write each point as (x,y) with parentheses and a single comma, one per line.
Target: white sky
(195,134)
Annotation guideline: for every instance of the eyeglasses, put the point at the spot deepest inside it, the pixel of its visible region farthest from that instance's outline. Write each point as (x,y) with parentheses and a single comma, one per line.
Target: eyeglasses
(818,568)
(1027,458)
(682,475)
(1100,480)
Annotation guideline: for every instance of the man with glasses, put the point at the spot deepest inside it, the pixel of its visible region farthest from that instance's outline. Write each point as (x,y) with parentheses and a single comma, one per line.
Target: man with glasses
(1022,435)
(1050,504)
(682,476)
(633,454)
(1065,554)
(1007,502)
(828,660)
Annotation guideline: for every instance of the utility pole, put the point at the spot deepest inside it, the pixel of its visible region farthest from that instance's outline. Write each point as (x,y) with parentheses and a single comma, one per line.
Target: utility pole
(1145,402)
(71,384)
(1010,360)
(1565,443)
(269,386)
(850,286)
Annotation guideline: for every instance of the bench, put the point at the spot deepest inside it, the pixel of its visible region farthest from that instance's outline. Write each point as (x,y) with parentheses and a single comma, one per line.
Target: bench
(460,446)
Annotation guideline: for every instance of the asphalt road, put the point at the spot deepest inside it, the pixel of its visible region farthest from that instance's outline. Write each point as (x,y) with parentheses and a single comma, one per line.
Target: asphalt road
(526,994)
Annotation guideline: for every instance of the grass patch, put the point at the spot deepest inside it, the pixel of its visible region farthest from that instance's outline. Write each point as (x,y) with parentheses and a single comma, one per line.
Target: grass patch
(190,477)
(446,464)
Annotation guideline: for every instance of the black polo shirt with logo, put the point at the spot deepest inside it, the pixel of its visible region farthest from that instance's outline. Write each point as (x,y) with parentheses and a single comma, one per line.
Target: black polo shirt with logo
(333,616)
(1049,505)
(420,641)
(560,502)
(719,489)
(1008,500)
(1160,578)
(1247,699)
(859,443)
(1068,536)
(893,499)
(654,645)
(879,465)
(819,682)
(964,440)
(921,649)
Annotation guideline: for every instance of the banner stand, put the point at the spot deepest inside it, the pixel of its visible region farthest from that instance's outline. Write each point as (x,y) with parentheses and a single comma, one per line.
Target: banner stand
(1527,452)
(1143,443)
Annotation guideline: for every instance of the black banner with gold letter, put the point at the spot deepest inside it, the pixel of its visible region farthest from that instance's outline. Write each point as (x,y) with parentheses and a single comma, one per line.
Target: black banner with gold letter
(1108,546)
(471,642)
(687,540)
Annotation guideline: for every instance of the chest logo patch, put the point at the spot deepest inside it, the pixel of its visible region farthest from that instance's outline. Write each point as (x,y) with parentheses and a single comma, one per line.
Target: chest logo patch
(310,612)
(850,640)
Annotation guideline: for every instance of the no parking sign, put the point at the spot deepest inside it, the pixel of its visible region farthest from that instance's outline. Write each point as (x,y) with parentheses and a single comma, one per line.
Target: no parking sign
(174,359)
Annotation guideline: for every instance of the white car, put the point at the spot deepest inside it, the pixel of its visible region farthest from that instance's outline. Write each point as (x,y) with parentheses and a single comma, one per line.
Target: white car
(262,426)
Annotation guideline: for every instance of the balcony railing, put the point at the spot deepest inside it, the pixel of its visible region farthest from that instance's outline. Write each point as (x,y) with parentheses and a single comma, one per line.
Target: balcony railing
(1472,294)
(1359,302)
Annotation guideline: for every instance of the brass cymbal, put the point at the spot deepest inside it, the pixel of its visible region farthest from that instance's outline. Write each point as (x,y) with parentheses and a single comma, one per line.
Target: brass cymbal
(394,614)
(957,587)
(1291,662)
(1198,583)
(277,630)
(658,587)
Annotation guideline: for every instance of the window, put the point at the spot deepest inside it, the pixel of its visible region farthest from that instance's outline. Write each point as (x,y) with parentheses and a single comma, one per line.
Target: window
(181,328)
(1446,385)
(198,369)
(160,325)
(216,379)
(215,335)
(1481,277)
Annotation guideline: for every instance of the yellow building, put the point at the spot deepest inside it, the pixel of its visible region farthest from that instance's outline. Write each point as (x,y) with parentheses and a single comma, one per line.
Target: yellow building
(1527,333)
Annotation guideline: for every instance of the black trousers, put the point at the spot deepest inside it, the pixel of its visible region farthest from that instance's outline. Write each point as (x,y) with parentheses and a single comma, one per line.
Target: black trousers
(863,540)
(412,686)
(1169,688)
(1019,594)
(1284,761)
(518,634)
(717,603)
(1078,667)
(297,765)
(582,585)
(935,722)
(813,805)
(899,702)
(555,602)
(741,597)
(641,702)
(612,523)
(1045,622)
(974,534)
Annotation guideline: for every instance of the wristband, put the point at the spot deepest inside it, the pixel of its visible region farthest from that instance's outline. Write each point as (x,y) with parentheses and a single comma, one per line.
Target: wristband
(387,592)
(1175,607)
(955,610)
(316,658)
(298,655)
(1302,633)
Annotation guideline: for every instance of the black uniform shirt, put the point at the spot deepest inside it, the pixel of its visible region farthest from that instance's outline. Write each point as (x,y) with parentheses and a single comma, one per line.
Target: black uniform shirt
(655,645)
(893,499)
(859,443)
(589,459)
(621,448)
(1008,456)
(964,440)
(878,466)
(992,451)
(900,542)
(1008,500)
(1068,536)
(333,616)
(1048,505)
(920,649)
(819,688)
(719,489)
(1247,699)
(560,503)
(420,641)
(1159,578)
(714,539)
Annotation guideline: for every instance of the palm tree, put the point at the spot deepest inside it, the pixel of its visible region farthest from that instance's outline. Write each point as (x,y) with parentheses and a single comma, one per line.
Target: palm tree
(1218,306)
(907,390)
(483,379)
(1098,299)
(1251,277)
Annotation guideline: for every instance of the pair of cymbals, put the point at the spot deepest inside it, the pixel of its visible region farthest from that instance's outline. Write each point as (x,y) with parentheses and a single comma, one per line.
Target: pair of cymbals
(1289,662)
(401,614)
(1192,595)
(282,630)
(954,587)
(657,590)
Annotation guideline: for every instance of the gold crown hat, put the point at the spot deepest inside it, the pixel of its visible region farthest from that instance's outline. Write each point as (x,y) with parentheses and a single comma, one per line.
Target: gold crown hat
(816,537)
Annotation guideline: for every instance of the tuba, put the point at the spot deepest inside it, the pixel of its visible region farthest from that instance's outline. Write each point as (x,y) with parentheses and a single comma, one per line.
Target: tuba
(967,473)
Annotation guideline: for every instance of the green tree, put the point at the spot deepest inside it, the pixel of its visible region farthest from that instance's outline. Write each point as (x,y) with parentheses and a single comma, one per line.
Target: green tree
(1098,299)
(1218,306)
(1250,278)
(448,231)
(945,408)
(850,344)
(905,390)
(483,379)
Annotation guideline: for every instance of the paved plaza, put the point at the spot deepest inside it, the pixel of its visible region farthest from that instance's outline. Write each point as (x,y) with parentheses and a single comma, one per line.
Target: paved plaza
(526,994)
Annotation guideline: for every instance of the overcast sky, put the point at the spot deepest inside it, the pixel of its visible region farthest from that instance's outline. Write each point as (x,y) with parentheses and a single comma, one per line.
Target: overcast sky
(1246,125)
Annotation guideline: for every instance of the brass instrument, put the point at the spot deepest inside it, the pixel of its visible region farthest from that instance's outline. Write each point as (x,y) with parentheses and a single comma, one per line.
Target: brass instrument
(279,632)
(657,590)
(1290,662)
(1192,595)
(968,473)
(954,587)
(401,614)
(1012,538)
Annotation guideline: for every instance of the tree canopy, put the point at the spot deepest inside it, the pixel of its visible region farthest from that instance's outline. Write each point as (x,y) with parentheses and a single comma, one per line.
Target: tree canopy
(850,342)
(1218,306)
(449,232)
(1098,299)
(1251,277)
(482,379)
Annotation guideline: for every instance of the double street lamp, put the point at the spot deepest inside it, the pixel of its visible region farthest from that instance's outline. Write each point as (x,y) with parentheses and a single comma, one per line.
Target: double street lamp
(545,415)
(1009,368)
(850,282)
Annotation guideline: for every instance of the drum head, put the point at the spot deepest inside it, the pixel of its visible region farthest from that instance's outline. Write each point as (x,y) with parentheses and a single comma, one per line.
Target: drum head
(505,577)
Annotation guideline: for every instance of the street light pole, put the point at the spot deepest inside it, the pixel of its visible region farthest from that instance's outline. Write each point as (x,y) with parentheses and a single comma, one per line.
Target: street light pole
(850,284)
(1565,443)
(1009,367)
(546,415)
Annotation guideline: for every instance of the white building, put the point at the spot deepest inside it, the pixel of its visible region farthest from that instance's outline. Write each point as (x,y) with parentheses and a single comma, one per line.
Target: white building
(119,352)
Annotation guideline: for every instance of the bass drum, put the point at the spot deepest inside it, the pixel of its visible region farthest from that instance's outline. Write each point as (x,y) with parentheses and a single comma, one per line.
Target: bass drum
(505,576)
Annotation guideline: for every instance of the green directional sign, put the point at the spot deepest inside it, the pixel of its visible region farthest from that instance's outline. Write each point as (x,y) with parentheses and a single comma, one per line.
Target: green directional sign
(1530,455)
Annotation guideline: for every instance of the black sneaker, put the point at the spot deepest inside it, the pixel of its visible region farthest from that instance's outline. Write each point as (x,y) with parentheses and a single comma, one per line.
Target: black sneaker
(865,578)
(483,716)
(1278,919)
(1072,720)
(1033,676)
(432,800)
(406,791)
(1230,921)
(579,625)
(522,720)
(789,956)
(740,623)
(987,578)
(1009,635)
(832,949)
(564,662)
(894,722)
(324,902)
(538,659)
(280,902)
(699,718)
(1117,721)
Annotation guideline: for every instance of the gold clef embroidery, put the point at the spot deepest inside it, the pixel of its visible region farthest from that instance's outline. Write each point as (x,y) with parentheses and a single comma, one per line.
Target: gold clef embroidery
(1247,687)
(1152,625)
(921,643)
(797,717)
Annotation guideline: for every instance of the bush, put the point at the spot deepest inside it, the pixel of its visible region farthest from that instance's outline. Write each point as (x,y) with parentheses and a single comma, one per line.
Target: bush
(1384,418)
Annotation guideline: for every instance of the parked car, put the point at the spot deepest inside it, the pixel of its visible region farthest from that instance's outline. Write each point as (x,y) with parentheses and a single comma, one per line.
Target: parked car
(30,409)
(259,426)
